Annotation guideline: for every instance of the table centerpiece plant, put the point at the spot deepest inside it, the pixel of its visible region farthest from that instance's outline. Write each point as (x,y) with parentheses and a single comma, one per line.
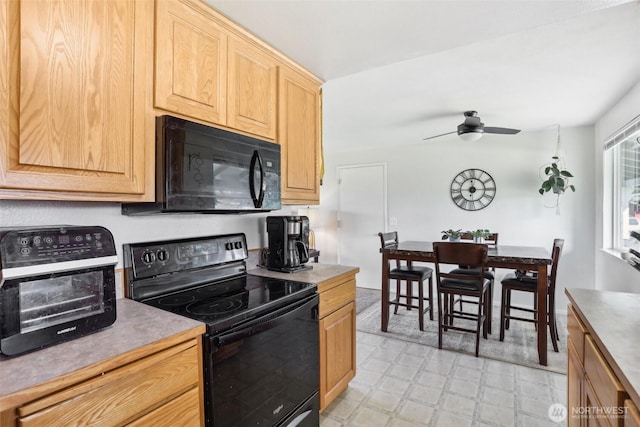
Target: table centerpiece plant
(479,235)
(452,235)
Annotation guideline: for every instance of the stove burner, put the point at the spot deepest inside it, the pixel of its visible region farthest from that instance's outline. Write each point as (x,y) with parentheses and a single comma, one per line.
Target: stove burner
(176,300)
(216,307)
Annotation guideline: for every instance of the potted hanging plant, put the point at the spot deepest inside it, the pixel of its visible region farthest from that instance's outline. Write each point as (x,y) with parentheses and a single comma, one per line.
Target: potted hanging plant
(451,235)
(479,235)
(557,180)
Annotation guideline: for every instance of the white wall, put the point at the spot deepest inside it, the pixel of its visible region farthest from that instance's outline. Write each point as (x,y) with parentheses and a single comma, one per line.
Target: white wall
(611,272)
(419,175)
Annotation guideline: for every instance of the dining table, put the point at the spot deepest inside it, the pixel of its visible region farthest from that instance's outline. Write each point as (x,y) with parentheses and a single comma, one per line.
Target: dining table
(531,258)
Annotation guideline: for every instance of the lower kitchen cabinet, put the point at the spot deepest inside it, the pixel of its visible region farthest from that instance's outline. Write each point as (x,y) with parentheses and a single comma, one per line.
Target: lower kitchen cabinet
(595,394)
(158,383)
(337,335)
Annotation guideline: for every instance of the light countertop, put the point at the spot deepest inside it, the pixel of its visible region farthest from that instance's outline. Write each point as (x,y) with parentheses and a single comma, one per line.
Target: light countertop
(319,273)
(136,325)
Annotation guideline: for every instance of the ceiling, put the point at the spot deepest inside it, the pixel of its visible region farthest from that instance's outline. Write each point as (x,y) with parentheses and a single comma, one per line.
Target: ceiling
(398,71)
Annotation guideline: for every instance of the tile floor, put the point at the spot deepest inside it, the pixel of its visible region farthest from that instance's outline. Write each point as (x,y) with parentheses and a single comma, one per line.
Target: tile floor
(402,384)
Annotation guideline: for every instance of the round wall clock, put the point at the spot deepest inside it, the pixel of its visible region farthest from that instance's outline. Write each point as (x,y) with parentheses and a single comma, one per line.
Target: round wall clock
(473,189)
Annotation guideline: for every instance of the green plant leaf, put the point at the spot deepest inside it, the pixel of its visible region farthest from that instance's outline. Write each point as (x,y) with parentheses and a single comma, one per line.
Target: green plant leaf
(541,191)
(573,188)
(546,170)
(559,183)
(566,173)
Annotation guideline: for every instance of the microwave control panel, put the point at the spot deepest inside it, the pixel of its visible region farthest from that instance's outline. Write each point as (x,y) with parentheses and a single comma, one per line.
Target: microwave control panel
(31,246)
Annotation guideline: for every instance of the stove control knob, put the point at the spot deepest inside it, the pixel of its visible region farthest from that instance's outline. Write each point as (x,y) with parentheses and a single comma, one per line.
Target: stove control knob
(148,257)
(238,245)
(162,255)
(228,246)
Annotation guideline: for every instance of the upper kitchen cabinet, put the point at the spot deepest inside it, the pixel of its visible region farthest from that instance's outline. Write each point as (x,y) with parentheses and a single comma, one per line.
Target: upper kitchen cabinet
(299,135)
(252,89)
(207,71)
(76,120)
(191,61)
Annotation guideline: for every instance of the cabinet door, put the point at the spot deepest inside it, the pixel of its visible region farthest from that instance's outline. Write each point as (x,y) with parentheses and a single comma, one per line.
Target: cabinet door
(299,135)
(73,94)
(575,377)
(337,352)
(191,61)
(251,89)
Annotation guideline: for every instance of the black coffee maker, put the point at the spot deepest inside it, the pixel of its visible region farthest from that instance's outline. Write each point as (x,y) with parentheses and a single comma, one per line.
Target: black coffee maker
(288,243)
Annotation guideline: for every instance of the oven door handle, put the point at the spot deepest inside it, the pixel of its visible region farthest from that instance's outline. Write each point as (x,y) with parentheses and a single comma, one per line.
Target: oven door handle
(267,322)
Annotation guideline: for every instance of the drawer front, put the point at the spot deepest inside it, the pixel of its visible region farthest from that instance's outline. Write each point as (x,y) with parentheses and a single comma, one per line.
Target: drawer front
(337,297)
(577,332)
(605,384)
(632,415)
(184,410)
(119,395)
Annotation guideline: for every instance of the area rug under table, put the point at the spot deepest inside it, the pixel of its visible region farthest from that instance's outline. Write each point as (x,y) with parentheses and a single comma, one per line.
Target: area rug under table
(519,345)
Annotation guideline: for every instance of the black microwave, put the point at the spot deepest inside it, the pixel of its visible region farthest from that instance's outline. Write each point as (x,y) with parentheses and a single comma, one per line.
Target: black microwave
(56,284)
(202,169)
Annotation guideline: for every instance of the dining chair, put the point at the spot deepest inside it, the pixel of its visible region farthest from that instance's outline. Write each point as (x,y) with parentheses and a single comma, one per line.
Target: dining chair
(450,285)
(527,282)
(492,242)
(409,274)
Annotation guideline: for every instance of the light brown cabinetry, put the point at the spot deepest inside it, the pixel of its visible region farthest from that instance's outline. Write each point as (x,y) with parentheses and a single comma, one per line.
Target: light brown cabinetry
(210,70)
(299,136)
(207,71)
(337,312)
(595,396)
(191,61)
(252,89)
(75,94)
(144,388)
(632,413)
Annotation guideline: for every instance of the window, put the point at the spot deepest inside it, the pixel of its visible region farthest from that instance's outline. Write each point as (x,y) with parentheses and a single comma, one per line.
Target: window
(622,161)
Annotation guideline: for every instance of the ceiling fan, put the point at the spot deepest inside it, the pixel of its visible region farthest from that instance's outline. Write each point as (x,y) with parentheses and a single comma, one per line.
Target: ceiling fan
(472,128)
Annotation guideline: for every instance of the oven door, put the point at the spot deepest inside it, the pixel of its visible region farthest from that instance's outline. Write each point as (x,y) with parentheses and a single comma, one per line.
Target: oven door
(266,371)
(45,309)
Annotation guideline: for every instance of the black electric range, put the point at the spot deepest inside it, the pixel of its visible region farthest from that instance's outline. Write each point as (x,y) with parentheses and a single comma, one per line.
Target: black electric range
(261,348)
(226,303)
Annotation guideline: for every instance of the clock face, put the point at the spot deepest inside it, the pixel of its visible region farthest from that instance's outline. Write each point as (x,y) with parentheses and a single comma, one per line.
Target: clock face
(473,189)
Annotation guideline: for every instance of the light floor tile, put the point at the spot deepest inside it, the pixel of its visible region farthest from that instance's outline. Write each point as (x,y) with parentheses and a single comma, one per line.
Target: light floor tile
(402,384)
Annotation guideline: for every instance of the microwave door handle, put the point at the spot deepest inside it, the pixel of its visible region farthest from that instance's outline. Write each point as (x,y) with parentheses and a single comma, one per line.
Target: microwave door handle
(257,201)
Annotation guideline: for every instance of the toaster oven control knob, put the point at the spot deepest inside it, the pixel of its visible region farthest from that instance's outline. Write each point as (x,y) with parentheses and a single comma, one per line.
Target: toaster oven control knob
(148,257)
(228,246)
(162,255)
(238,245)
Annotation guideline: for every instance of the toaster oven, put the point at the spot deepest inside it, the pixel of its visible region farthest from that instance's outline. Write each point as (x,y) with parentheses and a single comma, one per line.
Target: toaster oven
(56,284)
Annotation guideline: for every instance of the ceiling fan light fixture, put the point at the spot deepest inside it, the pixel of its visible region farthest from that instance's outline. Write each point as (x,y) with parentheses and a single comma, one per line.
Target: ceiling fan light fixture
(470,136)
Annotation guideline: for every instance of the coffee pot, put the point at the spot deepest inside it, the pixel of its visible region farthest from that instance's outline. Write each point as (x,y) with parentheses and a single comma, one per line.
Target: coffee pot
(288,243)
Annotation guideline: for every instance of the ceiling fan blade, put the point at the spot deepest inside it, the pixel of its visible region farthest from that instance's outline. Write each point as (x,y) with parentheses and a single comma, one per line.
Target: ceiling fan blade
(442,134)
(503,131)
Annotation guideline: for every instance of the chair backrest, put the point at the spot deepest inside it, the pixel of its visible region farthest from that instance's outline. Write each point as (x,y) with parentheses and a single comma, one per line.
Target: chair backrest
(492,240)
(555,259)
(390,239)
(473,255)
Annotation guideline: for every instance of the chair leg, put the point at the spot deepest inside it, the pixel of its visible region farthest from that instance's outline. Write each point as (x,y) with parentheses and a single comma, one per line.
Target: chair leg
(503,312)
(535,310)
(479,322)
(489,312)
(395,310)
(430,299)
(409,294)
(421,304)
(508,310)
(553,329)
(441,315)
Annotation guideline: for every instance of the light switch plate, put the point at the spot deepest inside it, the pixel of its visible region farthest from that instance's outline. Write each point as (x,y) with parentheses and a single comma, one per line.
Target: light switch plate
(393,220)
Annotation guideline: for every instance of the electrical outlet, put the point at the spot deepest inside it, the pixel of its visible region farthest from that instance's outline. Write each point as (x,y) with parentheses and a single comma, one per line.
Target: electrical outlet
(393,220)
